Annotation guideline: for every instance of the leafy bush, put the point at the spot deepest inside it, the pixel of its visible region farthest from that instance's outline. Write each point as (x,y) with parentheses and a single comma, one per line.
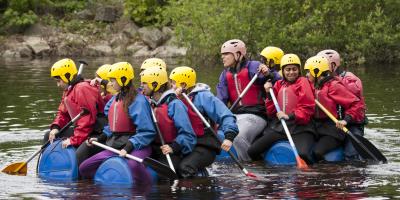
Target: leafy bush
(143,12)
(367,30)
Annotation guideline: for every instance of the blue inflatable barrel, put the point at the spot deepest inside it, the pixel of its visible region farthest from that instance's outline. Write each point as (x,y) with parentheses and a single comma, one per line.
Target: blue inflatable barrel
(58,163)
(281,153)
(115,170)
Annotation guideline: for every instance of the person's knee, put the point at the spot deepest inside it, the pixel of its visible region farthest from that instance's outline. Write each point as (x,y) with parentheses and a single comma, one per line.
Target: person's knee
(254,153)
(187,169)
(319,154)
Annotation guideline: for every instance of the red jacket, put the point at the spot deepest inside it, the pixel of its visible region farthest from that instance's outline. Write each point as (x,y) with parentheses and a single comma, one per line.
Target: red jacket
(73,99)
(334,93)
(303,108)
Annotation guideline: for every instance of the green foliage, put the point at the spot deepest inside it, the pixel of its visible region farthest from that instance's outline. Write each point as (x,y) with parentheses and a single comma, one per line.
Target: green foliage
(143,12)
(20,14)
(367,30)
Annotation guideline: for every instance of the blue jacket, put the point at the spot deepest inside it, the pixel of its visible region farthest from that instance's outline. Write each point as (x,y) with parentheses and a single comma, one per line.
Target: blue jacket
(222,86)
(213,108)
(186,138)
(139,111)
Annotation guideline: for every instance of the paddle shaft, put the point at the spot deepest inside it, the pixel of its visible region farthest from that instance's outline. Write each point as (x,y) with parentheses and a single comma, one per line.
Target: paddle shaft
(171,165)
(83,112)
(117,151)
(244,91)
(278,109)
(214,133)
(333,118)
(156,165)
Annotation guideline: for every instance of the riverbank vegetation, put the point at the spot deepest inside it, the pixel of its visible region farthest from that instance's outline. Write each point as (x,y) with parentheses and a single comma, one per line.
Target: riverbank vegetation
(362,31)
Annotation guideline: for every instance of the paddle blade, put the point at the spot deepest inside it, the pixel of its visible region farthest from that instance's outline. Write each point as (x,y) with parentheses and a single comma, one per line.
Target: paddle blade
(160,168)
(19,168)
(301,164)
(251,175)
(366,149)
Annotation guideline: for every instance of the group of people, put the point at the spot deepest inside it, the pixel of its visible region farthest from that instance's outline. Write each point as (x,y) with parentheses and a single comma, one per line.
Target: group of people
(121,115)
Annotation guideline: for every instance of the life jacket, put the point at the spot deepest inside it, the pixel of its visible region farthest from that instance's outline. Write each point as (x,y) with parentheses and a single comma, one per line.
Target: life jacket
(195,120)
(166,124)
(119,120)
(287,99)
(238,82)
(322,96)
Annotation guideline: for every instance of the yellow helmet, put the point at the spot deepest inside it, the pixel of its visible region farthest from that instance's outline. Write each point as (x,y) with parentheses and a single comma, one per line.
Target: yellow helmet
(273,53)
(154,74)
(183,75)
(103,70)
(317,65)
(65,69)
(122,72)
(153,62)
(290,59)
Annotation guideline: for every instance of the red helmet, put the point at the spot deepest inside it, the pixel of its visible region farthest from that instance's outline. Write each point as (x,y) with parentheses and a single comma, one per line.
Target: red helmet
(234,46)
(332,55)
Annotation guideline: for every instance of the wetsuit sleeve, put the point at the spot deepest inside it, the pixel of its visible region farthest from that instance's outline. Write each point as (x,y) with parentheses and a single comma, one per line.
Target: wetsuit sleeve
(186,138)
(139,111)
(352,105)
(207,103)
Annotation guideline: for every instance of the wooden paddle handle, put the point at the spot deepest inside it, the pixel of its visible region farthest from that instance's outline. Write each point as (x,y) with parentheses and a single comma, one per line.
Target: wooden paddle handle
(329,114)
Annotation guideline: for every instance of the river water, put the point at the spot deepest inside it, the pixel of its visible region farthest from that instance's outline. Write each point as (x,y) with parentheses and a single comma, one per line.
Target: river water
(28,103)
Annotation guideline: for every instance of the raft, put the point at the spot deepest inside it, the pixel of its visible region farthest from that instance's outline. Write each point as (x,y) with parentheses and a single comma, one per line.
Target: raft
(281,153)
(57,163)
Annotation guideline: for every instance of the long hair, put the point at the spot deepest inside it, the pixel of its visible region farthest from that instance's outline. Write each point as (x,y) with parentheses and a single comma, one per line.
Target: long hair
(129,93)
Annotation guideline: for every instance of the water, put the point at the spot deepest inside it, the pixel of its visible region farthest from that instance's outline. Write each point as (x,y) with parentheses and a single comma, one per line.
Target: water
(29,99)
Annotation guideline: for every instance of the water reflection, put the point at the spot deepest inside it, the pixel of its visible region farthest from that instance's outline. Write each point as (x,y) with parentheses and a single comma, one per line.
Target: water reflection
(29,99)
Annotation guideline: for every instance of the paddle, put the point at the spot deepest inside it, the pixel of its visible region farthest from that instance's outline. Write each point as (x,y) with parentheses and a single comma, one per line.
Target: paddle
(240,165)
(21,168)
(244,91)
(159,167)
(364,147)
(300,162)
(161,139)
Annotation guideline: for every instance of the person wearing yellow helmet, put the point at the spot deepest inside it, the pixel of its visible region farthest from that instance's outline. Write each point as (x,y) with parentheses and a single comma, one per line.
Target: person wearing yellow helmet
(172,117)
(354,84)
(130,128)
(331,93)
(271,60)
(153,62)
(295,98)
(183,79)
(77,94)
(103,83)
(237,74)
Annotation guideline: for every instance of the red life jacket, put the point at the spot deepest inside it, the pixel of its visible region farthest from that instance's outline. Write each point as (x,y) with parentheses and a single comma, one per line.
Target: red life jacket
(322,96)
(195,120)
(237,83)
(166,124)
(119,120)
(287,99)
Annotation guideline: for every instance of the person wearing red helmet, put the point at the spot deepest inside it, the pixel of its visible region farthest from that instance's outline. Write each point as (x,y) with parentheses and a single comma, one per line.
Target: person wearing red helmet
(237,73)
